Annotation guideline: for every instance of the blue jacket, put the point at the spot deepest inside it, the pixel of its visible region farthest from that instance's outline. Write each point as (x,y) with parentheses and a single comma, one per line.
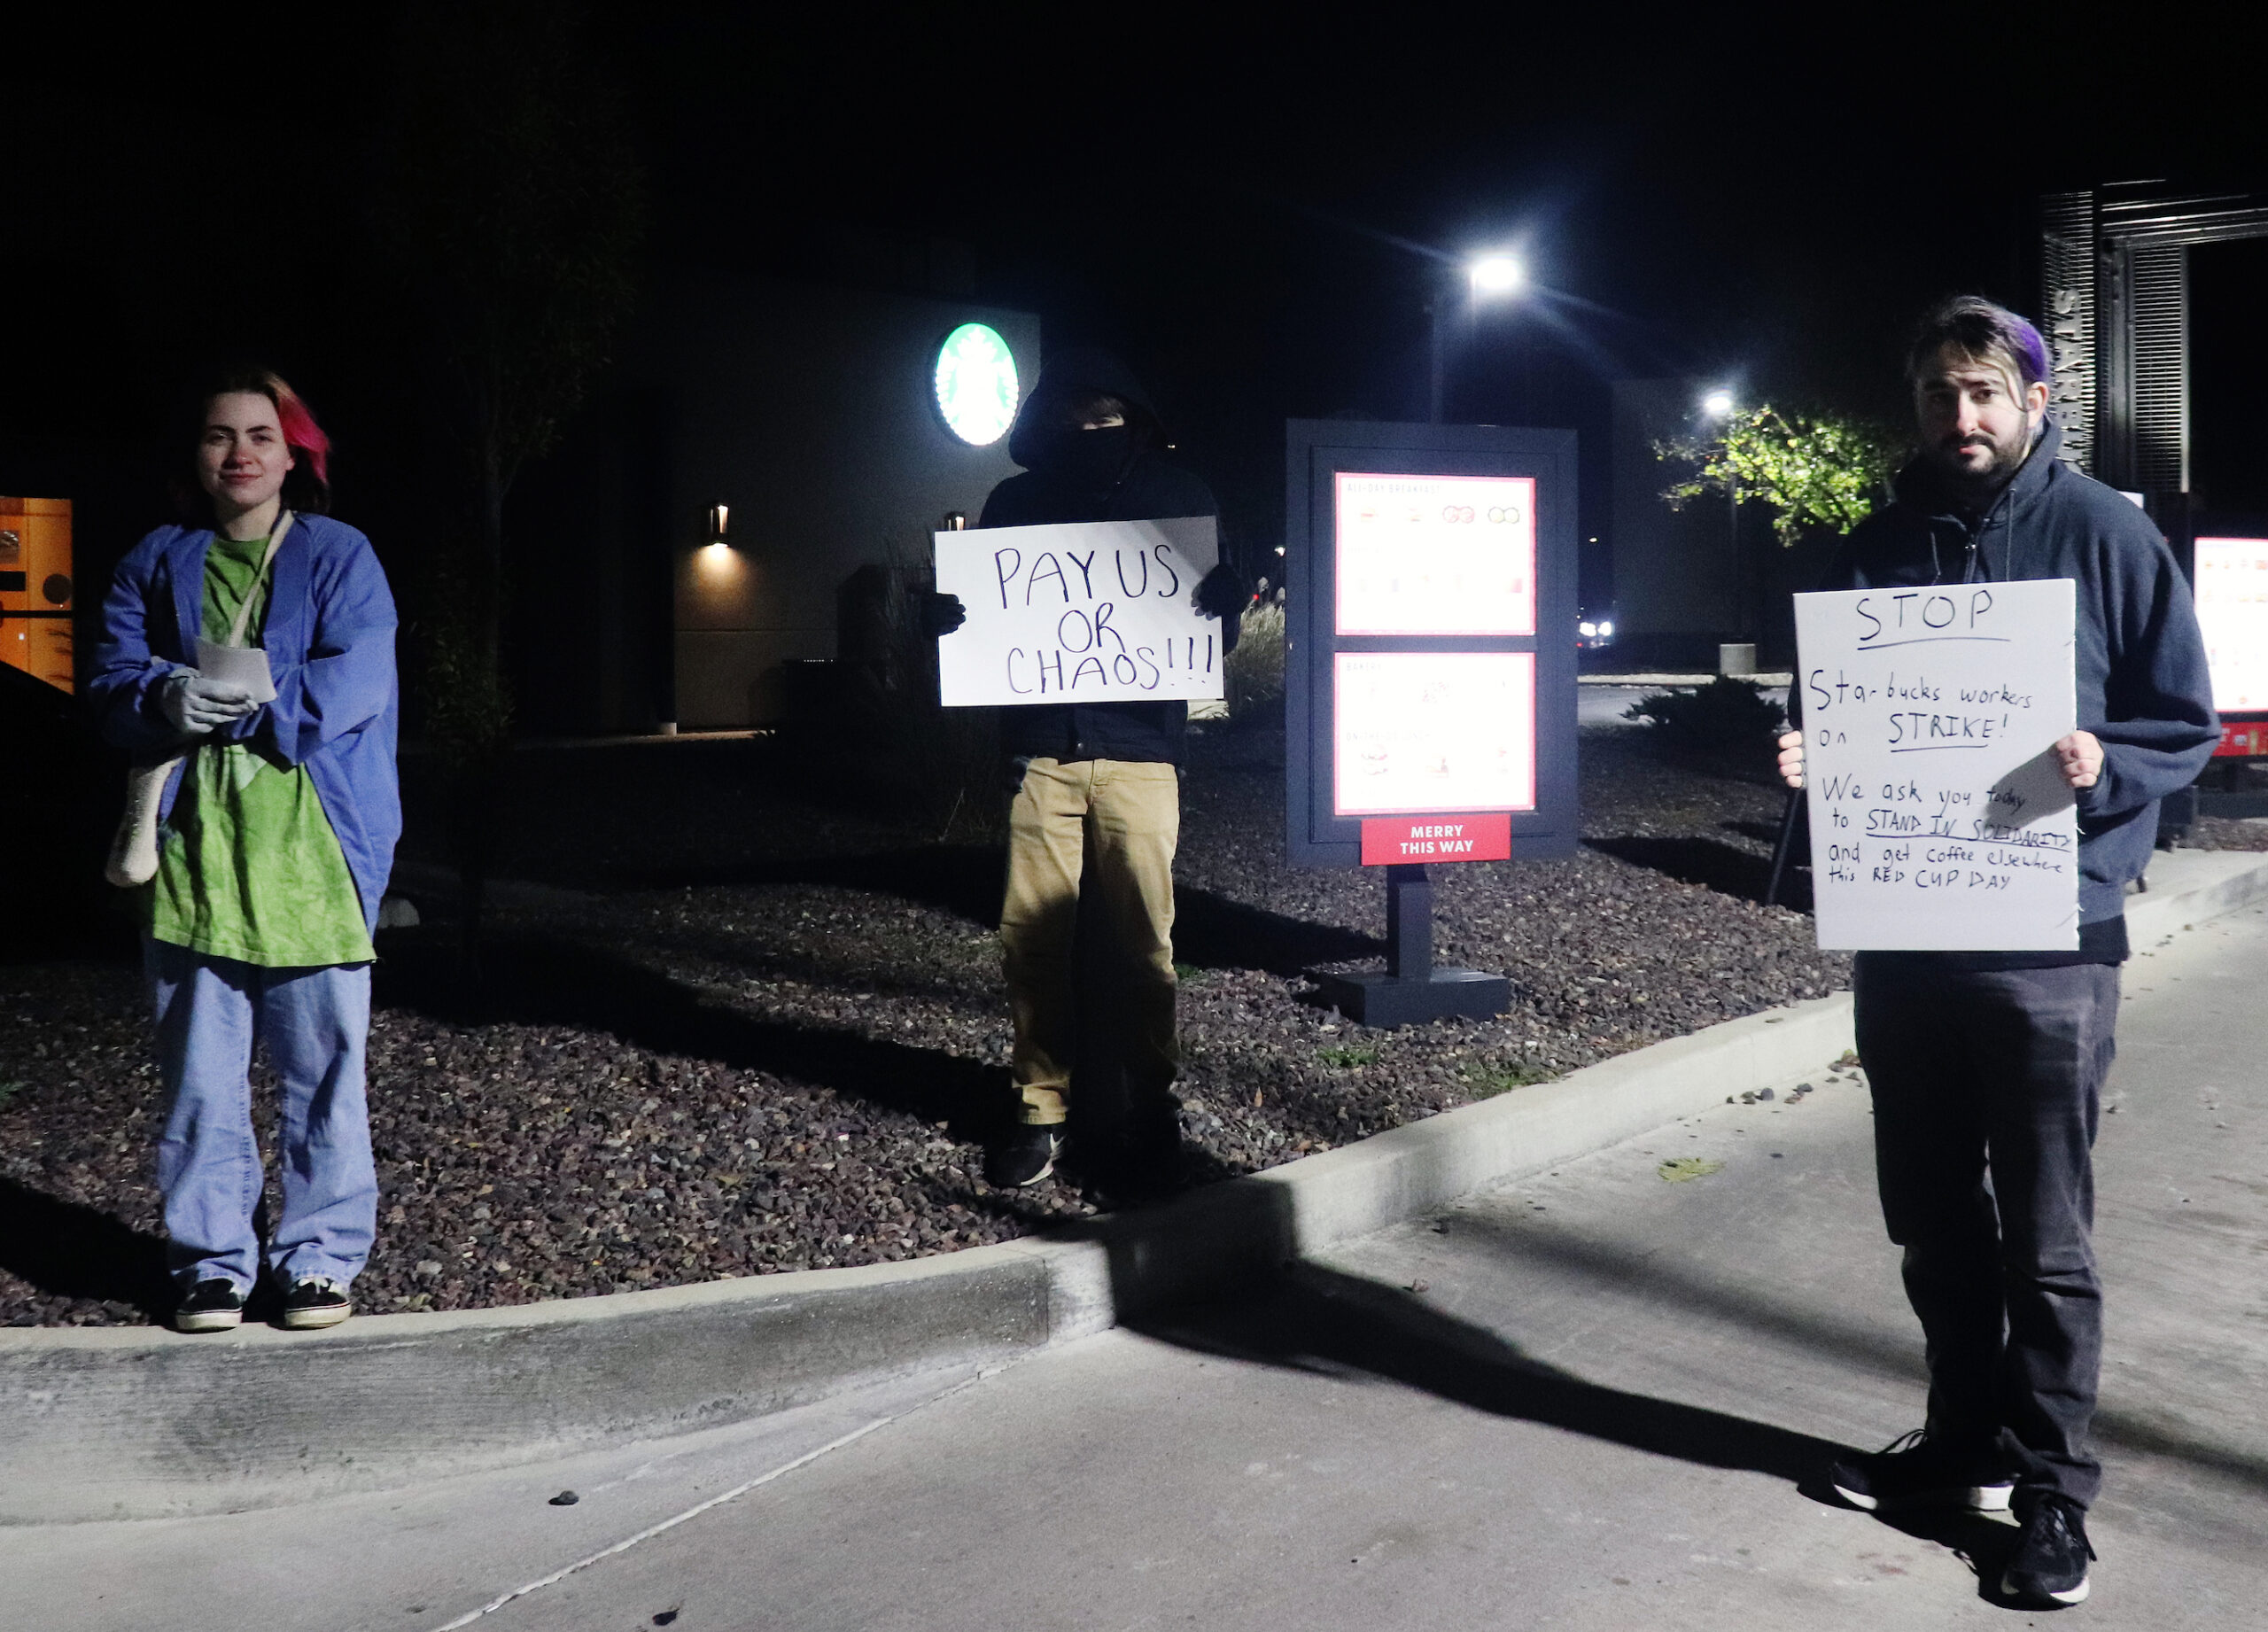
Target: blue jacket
(2139,662)
(329,633)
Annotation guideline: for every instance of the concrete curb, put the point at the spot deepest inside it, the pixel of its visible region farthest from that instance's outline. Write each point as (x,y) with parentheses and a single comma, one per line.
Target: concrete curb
(2189,886)
(120,1423)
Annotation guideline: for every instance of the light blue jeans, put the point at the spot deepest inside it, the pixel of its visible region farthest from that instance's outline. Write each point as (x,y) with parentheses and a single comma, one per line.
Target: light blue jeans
(315,1023)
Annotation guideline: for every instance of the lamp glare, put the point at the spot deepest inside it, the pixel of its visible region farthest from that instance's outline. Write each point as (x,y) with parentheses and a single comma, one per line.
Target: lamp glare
(1497,275)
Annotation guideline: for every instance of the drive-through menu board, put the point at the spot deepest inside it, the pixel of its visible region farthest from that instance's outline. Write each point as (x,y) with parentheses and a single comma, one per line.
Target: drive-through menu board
(1430,614)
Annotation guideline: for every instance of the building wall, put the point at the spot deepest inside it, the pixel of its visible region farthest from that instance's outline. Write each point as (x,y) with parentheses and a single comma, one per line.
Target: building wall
(1673,569)
(809,411)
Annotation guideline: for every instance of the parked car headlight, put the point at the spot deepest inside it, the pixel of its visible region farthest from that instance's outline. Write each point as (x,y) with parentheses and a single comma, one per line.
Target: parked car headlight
(1606,628)
(1587,630)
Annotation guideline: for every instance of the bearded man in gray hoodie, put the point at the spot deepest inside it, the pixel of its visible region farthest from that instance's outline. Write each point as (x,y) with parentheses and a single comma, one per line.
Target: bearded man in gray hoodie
(1986,1068)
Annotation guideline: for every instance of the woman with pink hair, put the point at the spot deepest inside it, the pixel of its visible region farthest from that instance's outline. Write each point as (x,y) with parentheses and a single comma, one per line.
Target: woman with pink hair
(248,666)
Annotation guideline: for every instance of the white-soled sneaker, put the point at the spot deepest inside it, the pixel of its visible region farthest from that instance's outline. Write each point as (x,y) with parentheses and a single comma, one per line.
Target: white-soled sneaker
(1916,1470)
(212,1305)
(313,1303)
(2050,1563)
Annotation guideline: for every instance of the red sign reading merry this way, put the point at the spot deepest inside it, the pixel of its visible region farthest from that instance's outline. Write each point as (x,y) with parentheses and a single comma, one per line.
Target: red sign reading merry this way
(1388,840)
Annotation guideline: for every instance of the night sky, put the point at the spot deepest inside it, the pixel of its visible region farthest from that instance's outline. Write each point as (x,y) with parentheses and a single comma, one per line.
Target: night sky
(1242,201)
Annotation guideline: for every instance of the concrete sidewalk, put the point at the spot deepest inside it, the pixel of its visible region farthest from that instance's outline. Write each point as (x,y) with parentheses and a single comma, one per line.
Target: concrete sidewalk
(1587,1399)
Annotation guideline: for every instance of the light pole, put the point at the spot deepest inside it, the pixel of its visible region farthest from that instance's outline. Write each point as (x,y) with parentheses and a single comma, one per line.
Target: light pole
(1720,405)
(1485,277)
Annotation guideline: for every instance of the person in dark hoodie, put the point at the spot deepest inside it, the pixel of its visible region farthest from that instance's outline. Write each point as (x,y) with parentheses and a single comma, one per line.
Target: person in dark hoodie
(1986,1068)
(1094,781)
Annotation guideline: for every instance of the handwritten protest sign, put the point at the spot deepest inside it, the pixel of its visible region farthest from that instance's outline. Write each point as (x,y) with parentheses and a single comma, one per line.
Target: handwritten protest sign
(1102,611)
(1940,820)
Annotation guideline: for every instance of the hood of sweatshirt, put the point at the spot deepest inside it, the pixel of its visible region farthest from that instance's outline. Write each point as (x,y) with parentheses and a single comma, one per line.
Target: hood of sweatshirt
(1922,487)
(1038,441)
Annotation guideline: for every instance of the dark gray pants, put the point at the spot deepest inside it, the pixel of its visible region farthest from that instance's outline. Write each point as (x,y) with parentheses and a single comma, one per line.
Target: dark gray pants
(1987,1087)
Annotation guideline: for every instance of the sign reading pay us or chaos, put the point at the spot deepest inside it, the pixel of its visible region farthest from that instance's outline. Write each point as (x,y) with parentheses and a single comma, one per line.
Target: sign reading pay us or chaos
(1940,819)
(1102,611)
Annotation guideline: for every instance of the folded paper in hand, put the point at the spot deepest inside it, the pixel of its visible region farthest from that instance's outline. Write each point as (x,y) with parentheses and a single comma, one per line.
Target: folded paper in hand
(236,666)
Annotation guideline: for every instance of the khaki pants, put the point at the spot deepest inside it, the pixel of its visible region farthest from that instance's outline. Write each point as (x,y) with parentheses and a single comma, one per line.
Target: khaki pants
(1128,816)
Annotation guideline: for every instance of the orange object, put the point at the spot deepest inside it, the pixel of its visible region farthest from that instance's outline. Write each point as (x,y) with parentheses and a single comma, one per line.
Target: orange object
(36,590)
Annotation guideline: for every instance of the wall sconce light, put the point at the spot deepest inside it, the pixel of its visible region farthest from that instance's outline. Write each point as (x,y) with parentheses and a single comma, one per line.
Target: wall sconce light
(955,521)
(720,516)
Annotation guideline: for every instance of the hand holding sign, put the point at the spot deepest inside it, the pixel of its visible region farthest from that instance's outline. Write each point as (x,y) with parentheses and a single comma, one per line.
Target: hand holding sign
(1223,592)
(1080,612)
(1939,748)
(2079,756)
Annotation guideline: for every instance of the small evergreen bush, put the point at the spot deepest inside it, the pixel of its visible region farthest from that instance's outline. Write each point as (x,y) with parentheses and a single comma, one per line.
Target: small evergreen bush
(1727,716)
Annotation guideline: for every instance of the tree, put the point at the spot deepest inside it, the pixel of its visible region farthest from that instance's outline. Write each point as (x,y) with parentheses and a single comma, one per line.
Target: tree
(1820,472)
(507,215)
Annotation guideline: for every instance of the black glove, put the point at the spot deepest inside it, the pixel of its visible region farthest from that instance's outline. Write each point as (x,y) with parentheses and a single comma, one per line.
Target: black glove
(1223,592)
(942,614)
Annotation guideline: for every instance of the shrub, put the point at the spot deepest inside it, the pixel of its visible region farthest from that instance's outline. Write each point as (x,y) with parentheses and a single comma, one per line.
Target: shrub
(1256,669)
(1727,716)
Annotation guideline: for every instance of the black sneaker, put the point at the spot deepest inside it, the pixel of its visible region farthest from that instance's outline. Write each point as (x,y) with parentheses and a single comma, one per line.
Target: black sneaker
(313,1303)
(1148,1161)
(2050,1563)
(214,1305)
(1023,1155)
(1917,1470)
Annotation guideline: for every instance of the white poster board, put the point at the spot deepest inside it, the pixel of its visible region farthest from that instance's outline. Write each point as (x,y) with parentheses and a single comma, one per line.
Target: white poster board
(1415,732)
(1940,821)
(1434,555)
(1100,612)
(2232,615)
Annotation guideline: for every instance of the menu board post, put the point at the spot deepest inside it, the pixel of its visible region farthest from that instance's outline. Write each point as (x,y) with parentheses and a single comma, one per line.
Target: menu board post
(1429,674)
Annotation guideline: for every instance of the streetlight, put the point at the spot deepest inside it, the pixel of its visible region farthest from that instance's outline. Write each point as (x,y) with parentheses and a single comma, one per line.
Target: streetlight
(1494,276)
(1719,405)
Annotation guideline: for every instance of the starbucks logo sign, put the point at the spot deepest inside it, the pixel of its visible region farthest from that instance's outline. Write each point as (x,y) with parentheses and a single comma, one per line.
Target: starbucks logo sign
(976,384)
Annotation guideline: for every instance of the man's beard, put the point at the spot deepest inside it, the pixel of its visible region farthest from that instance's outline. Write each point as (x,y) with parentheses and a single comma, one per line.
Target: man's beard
(2007,461)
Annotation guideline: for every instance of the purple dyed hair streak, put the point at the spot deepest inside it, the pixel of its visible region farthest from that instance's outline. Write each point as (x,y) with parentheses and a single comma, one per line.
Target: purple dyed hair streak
(1977,328)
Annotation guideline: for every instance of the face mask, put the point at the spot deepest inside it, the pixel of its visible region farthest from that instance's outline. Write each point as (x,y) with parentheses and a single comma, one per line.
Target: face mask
(1090,459)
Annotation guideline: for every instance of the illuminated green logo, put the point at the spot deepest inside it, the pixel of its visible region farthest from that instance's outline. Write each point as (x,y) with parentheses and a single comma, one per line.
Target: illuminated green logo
(976,384)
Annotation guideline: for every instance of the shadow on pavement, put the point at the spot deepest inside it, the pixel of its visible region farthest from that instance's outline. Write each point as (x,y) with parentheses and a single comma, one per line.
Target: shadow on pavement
(72,1251)
(1850,1343)
(1323,1320)
(1308,1316)
(1983,1544)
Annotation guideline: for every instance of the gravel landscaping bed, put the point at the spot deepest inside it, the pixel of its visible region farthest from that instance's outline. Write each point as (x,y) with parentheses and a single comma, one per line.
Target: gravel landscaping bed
(2229,833)
(723,1031)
